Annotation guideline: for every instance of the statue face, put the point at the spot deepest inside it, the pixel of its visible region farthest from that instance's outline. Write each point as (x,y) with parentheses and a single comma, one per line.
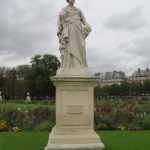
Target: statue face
(71,1)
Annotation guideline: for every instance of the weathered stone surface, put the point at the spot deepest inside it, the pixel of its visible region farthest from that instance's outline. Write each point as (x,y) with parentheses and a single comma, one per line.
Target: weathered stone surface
(74,83)
(72,32)
(74,128)
(74,72)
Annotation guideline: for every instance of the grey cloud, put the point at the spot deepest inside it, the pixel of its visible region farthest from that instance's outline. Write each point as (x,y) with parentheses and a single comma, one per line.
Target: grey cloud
(126,56)
(101,61)
(138,47)
(25,26)
(137,53)
(28,27)
(142,47)
(132,20)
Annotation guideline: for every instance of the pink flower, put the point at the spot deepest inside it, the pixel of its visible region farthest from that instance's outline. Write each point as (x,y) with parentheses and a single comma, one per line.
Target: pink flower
(137,128)
(30,122)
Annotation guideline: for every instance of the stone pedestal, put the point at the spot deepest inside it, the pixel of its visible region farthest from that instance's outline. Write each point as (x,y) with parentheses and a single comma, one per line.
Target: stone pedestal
(74,128)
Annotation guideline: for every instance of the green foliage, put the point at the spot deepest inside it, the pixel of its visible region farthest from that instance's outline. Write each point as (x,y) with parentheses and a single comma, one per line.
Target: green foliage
(102,127)
(23,72)
(44,126)
(113,113)
(104,119)
(34,79)
(97,91)
(42,68)
(114,89)
(121,128)
(133,127)
(146,123)
(26,119)
(3,126)
(43,114)
(48,61)
(124,89)
(122,113)
(146,85)
(19,118)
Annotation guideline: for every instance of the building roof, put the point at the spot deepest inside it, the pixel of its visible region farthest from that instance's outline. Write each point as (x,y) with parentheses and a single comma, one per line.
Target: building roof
(141,73)
(113,75)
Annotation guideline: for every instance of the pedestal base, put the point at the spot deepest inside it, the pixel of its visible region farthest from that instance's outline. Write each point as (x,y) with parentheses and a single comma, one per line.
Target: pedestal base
(74,141)
(75,147)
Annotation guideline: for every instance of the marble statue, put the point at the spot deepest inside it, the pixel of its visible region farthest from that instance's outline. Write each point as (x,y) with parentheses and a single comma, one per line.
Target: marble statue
(75,84)
(1,97)
(72,32)
(28,99)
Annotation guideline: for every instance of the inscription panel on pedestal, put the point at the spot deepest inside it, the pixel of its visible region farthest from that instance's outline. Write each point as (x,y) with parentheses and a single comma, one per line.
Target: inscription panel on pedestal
(75,108)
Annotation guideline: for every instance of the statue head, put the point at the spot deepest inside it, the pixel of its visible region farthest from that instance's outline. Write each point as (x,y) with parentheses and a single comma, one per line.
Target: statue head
(70,1)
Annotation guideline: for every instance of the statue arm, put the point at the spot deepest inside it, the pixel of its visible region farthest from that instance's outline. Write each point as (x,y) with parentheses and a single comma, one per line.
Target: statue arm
(61,22)
(85,23)
(87,28)
(60,29)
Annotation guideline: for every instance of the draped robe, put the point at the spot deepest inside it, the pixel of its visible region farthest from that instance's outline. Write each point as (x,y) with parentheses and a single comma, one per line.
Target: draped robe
(72,31)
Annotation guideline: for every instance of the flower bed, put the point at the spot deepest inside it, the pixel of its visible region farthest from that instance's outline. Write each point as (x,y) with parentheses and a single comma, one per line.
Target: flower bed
(109,115)
(122,115)
(26,119)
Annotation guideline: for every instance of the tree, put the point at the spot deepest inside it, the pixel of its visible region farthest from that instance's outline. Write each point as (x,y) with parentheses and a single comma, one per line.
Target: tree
(2,82)
(42,68)
(97,91)
(106,90)
(125,88)
(11,74)
(23,72)
(34,79)
(146,86)
(136,88)
(114,89)
(51,62)
(2,71)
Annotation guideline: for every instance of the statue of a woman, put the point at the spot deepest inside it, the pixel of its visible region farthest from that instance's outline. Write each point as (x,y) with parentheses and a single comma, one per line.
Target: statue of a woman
(72,32)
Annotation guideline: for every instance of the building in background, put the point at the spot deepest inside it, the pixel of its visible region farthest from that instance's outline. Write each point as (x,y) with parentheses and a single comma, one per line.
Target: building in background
(140,75)
(109,78)
(116,77)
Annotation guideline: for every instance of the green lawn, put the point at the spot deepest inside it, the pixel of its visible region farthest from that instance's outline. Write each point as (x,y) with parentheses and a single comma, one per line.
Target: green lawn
(23,141)
(24,105)
(126,140)
(113,140)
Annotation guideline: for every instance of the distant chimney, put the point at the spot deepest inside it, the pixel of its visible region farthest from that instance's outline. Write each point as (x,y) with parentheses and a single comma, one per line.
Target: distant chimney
(147,69)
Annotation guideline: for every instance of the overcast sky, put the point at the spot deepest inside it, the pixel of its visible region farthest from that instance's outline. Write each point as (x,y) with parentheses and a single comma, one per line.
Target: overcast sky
(120,37)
